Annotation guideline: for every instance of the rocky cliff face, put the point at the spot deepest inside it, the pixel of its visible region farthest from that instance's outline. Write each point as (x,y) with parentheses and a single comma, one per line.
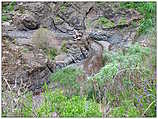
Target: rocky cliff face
(66,16)
(23,41)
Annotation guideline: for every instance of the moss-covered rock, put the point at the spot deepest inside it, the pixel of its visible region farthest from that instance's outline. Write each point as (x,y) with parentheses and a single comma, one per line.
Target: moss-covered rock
(122,21)
(106,23)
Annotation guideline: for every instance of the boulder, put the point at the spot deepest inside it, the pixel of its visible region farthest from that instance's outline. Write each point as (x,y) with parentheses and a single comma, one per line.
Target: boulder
(30,15)
(26,21)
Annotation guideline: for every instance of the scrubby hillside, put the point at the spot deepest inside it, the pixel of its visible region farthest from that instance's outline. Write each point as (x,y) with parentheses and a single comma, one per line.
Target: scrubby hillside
(78,59)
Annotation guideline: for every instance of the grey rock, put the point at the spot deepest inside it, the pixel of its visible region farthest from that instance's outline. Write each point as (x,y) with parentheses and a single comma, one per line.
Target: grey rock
(26,21)
(115,39)
(105,44)
(68,60)
(31,15)
(20,34)
(98,36)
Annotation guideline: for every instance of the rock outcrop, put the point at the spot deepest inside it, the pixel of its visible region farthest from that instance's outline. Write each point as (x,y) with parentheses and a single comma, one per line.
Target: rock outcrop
(22,66)
(23,41)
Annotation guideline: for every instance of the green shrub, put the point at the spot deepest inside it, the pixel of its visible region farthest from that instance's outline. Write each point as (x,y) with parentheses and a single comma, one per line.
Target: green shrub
(4,18)
(79,107)
(128,73)
(134,56)
(27,106)
(8,8)
(51,53)
(67,76)
(147,9)
(127,109)
(122,21)
(63,8)
(65,107)
(52,103)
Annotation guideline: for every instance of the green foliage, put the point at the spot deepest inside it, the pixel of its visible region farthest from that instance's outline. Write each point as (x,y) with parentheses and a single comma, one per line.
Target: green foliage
(118,112)
(62,7)
(147,9)
(127,109)
(88,24)
(57,18)
(106,22)
(73,107)
(63,47)
(4,18)
(116,61)
(52,103)
(127,73)
(67,76)
(106,73)
(51,53)
(79,107)
(146,100)
(122,21)
(25,50)
(27,103)
(8,8)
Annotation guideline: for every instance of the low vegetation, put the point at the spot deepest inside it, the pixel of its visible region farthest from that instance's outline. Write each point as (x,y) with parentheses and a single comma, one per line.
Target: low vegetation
(51,53)
(67,79)
(67,107)
(6,9)
(124,84)
(127,83)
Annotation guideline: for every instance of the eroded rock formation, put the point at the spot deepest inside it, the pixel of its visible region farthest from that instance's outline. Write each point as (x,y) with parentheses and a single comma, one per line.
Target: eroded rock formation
(23,41)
